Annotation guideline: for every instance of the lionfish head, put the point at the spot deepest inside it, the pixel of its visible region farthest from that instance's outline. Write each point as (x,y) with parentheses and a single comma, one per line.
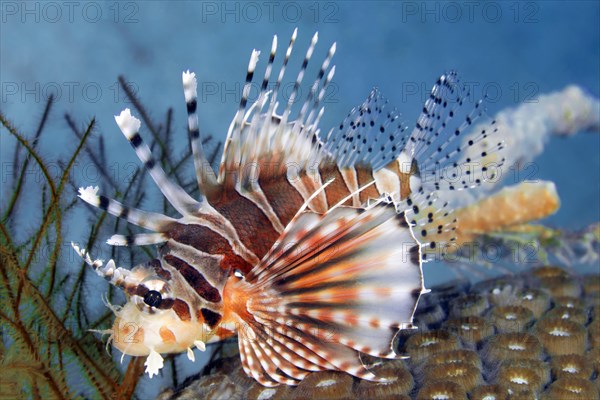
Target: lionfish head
(149,321)
(156,317)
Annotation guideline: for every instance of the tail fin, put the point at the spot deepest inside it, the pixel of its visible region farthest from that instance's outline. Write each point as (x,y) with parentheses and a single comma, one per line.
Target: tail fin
(333,285)
(433,223)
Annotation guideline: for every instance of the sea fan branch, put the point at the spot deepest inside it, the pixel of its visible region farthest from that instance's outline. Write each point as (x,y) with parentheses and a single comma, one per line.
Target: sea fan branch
(21,179)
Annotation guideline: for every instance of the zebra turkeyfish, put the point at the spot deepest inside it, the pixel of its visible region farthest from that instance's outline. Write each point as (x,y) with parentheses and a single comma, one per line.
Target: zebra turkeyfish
(308,248)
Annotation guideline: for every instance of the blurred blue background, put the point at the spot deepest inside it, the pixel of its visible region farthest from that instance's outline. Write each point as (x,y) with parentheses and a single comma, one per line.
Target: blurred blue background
(515,50)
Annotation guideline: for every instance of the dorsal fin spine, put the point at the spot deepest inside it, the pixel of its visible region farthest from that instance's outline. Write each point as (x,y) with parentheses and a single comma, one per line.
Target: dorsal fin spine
(204,173)
(292,99)
(175,194)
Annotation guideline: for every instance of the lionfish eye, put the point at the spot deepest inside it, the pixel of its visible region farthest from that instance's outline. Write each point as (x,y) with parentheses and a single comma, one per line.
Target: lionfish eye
(153,294)
(153,298)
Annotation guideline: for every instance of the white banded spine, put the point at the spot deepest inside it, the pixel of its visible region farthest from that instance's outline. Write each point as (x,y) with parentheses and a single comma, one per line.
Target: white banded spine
(149,220)
(204,173)
(179,199)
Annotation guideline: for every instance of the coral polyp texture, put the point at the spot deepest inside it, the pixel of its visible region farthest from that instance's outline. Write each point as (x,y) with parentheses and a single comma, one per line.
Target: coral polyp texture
(528,340)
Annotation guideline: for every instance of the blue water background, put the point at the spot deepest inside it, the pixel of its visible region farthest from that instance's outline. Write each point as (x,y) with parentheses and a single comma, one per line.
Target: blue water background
(515,50)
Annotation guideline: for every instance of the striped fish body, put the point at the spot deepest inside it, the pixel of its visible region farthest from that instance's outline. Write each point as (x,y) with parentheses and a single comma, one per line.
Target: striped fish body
(308,248)
(190,245)
(285,195)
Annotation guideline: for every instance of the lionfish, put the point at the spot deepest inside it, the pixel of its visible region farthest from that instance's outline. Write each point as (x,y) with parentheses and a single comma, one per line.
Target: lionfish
(310,249)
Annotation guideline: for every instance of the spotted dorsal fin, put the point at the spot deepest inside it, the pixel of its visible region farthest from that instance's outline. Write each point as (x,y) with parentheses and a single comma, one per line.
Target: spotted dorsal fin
(449,156)
(441,153)
(372,135)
